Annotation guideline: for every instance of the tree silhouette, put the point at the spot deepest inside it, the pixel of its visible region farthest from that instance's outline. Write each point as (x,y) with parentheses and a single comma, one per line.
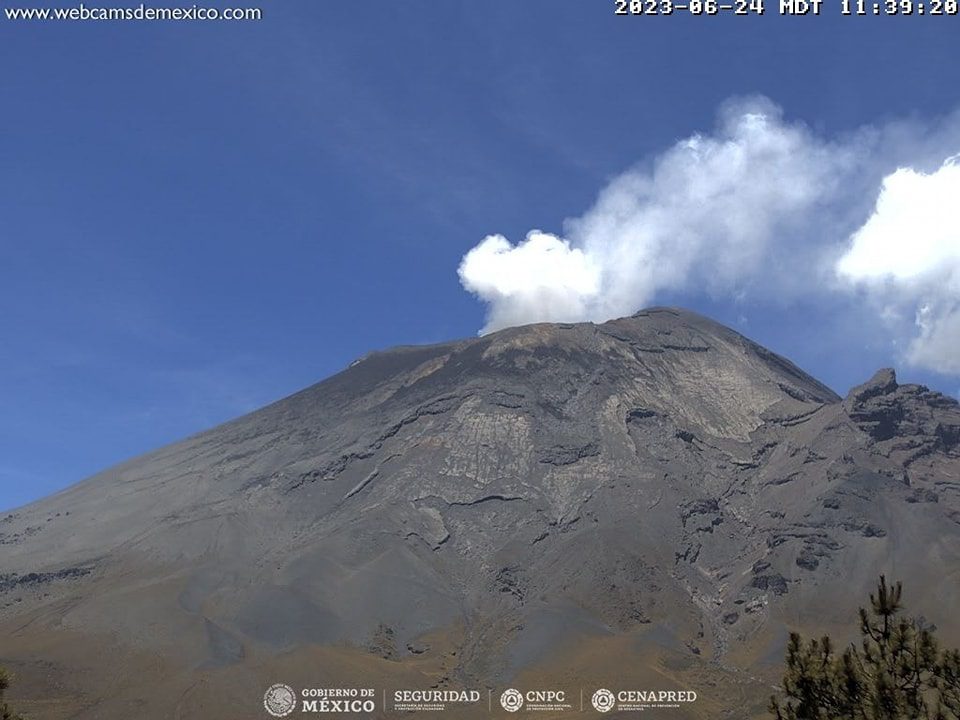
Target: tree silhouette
(5,712)
(897,673)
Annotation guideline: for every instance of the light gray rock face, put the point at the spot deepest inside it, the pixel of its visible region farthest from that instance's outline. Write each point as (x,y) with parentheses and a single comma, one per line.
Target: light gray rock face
(659,471)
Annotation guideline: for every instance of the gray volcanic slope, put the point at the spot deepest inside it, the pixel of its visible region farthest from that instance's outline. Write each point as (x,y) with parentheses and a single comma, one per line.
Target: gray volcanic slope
(655,499)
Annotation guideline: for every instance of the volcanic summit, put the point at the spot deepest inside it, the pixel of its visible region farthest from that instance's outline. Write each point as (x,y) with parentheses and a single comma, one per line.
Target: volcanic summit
(654,501)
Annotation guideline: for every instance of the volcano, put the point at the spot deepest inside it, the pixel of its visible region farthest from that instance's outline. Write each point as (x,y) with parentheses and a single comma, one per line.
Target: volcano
(649,503)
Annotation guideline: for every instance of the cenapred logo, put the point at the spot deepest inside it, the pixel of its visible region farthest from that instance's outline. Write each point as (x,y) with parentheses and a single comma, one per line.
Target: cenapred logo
(280,700)
(511,700)
(603,700)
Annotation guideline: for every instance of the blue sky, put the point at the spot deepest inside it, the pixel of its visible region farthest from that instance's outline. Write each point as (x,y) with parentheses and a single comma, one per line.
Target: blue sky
(199,218)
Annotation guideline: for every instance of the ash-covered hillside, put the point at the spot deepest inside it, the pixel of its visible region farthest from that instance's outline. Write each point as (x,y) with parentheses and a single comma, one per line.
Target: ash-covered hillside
(652,500)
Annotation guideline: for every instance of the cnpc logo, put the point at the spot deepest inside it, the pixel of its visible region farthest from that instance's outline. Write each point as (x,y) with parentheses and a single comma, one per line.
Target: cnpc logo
(513,700)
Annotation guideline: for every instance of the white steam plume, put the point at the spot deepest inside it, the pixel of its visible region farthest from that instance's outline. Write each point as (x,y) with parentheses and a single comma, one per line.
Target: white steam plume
(542,277)
(759,208)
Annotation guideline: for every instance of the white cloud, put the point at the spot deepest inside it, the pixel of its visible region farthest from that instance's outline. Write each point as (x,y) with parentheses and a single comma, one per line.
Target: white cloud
(914,231)
(937,347)
(759,208)
(908,251)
